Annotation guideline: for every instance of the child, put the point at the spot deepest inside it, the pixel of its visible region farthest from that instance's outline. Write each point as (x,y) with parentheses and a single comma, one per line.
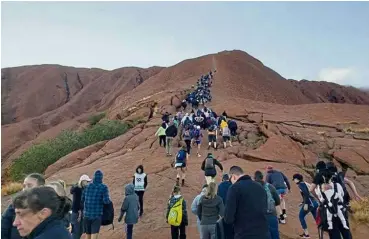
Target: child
(177,214)
(140,182)
(130,207)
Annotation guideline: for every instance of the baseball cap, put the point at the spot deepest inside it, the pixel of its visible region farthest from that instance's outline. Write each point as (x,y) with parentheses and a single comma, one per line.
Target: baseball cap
(85,177)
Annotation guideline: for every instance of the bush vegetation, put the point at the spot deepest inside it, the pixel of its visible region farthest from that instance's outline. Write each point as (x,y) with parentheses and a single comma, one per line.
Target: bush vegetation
(94,119)
(11,188)
(38,157)
(360,211)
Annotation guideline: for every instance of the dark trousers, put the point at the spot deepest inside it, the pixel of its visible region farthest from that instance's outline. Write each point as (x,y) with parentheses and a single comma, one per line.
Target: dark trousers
(338,230)
(162,140)
(178,232)
(140,195)
(188,144)
(77,226)
(129,231)
(273,226)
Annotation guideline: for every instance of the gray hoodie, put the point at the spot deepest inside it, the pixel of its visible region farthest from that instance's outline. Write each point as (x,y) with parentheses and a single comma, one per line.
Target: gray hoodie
(130,205)
(210,210)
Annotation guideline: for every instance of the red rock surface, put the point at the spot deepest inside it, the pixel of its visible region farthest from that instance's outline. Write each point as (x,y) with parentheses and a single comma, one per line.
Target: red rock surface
(278,125)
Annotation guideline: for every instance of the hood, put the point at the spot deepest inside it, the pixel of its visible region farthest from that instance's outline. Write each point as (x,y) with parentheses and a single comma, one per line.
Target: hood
(98,177)
(140,167)
(129,189)
(244,178)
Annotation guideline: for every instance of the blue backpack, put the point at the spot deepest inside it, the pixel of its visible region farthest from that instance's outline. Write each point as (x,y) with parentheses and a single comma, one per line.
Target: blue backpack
(181,156)
(196,133)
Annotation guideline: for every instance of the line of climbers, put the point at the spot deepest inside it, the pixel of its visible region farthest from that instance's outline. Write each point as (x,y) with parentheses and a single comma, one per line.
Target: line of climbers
(237,208)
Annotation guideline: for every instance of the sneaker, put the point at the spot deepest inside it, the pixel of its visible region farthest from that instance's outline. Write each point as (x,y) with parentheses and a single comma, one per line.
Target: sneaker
(304,236)
(282,221)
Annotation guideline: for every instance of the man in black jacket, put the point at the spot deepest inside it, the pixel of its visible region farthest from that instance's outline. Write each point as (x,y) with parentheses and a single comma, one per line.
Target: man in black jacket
(246,207)
(171,132)
(208,166)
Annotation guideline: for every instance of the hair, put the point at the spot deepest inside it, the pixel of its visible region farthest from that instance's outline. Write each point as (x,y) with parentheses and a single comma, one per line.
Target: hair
(164,125)
(225,177)
(38,177)
(59,187)
(298,177)
(331,167)
(320,165)
(140,167)
(236,171)
(258,176)
(176,189)
(326,176)
(211,191)
(42,197)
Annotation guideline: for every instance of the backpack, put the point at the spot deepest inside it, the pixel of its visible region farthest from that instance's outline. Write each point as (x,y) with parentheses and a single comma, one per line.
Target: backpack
(108,215)
(196,133)
(340,179)
(187,121)
(271,202)
(209,163)
(175,213)
(212,128)
(181,156)
(187,133)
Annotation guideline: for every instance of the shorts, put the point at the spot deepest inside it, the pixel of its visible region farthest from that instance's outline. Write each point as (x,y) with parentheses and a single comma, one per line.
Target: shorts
(180,165)
(92,226)
(198,141)
(226,138)
(212,138)
(281,192)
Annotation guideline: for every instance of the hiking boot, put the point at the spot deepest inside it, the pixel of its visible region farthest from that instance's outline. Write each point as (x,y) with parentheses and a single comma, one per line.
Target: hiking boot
(183,182)
(282,221)
(304,236)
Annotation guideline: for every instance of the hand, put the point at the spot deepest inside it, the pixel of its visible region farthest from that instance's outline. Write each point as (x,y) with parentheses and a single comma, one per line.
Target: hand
(306,207)
(79,217)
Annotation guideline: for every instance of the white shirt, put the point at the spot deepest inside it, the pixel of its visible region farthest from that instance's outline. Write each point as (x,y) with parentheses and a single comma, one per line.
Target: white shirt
(140,181)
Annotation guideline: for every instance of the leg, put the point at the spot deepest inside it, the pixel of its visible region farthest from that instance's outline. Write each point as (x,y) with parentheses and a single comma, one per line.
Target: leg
(183,170)
(302,216)
(199,228)
(188,144)
(212,231)
(182,229)
(170,142)
(329,219)
(95,228)
(165,141)
(129,231)
(204,232)
(140,198)
(87,223)
(174,232)
(167,145)
(346,233)
(273,226)
(342,217)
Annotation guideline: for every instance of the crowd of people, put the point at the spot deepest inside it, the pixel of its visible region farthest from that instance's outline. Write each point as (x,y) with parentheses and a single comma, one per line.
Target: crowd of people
(239,207)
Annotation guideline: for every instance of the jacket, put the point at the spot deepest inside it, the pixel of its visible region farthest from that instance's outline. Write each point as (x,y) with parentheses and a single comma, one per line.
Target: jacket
(211,172)
(210,209)
(223,190)
(173,201)
(77,205)
(277,179)
(171,131)
(274,194)
(196,202)
(160,131)
(50,228)
(95,196)
(130,206)
(307,198)
(8,231)
(246,209)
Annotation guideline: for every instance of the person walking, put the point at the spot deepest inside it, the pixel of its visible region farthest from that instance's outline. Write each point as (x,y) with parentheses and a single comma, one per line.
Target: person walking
(161,133)
(208,166)
(308,205)
(177,208)
(273,202)
(180,164)
(195,204)
(140,183)
(187,138)
(281,183)
(171,132)
(246,207)
(209,210)
(130,208)
(223,188)
(226,133)
(77,206)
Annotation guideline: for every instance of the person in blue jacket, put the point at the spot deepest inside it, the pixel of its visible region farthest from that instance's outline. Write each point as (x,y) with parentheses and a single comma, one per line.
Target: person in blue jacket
(308,205)
(223,188)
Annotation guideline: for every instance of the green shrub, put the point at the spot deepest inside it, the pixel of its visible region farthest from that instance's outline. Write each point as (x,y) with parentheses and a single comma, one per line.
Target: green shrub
(38,157)
(94,119)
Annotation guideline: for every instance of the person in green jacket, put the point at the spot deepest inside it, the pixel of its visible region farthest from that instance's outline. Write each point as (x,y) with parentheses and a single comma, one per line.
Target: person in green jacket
(161,134)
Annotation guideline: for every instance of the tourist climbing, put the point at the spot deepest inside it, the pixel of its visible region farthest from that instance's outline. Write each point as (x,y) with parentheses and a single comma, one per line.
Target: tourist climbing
(180,165)
(208,166)
(140,184)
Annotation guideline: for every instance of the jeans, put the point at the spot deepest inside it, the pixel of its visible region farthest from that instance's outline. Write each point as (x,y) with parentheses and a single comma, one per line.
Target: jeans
(129,231)
(162,140)
(188,144)
(208,231)
(77,226)
(273,226)
(303,213)
(199,227)
(178,232)
(169,144)
(140,195)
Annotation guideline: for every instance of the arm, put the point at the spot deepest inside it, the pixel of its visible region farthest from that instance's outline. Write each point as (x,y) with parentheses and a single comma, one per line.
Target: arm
(305,193)
(199,210)
(7,222)
(231,206)
(185,216)
(72,189)
(134,181)
(157,132)
(353,188)
(203,166)
(275,196)
(287,182)
(216,162)
(175,132)
(194,205)
(145,182)
(123,209)
(221,207)
(106,198)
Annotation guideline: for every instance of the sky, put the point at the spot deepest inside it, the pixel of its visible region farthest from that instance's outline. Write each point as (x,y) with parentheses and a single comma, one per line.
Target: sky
(300,40)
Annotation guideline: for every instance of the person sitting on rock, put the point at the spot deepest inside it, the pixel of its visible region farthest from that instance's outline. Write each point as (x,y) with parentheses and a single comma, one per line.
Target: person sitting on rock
(162,136)
(140,183)
(180,164)
(208,166)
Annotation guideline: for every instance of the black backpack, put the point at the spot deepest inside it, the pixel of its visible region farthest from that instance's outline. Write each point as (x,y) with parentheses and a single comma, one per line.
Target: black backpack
(108,215)
(340,179)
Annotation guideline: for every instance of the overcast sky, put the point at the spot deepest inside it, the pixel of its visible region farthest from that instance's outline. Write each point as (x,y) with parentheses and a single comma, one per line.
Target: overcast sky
(300,40)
